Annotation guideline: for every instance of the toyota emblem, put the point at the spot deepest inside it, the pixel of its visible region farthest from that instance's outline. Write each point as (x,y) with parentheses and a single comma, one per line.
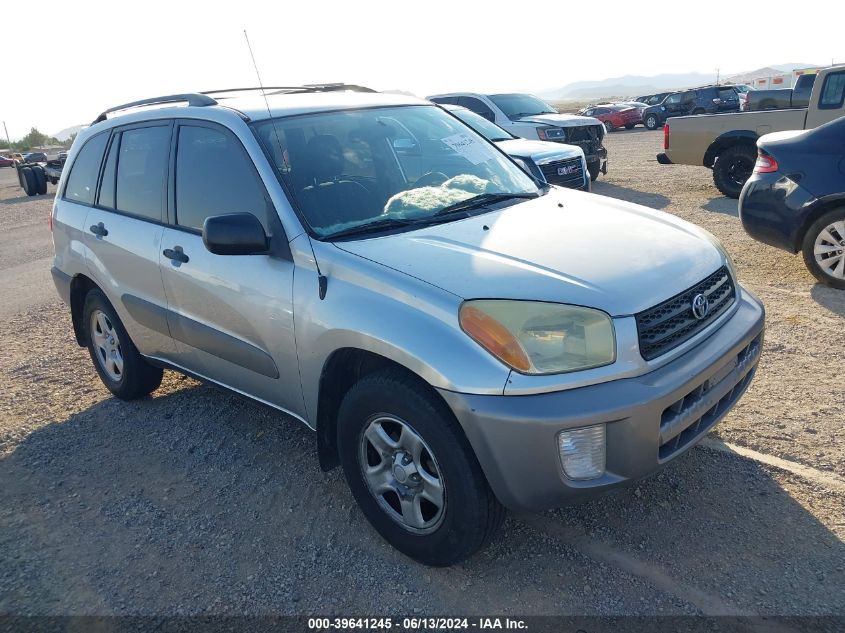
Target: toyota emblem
(700,306)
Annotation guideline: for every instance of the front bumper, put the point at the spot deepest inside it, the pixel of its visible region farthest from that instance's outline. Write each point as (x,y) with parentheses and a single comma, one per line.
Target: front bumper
(651,419)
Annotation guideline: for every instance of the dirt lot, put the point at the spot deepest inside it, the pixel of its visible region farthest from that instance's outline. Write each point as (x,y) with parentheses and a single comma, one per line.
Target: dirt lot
(195,501)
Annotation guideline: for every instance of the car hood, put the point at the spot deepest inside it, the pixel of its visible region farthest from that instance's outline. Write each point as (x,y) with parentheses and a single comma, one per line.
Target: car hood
(560,120)
(539,151)
(593,251)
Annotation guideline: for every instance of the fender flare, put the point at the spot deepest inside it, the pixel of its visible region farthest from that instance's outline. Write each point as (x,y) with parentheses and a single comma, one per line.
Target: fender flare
(729,139)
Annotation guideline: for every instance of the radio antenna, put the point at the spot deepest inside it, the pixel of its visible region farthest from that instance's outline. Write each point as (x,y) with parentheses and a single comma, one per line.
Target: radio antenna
(322,281)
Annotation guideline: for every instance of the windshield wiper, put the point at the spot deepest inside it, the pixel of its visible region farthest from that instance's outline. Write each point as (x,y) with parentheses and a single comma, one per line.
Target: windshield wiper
(481,200)
(372,227)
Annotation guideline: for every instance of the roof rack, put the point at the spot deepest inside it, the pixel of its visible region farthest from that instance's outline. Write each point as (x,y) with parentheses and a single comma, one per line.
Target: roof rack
(329,87)
(192,99)
(203,99)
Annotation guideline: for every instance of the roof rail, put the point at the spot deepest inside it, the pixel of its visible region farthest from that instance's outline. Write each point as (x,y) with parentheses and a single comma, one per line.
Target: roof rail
(192,99)
(331,87)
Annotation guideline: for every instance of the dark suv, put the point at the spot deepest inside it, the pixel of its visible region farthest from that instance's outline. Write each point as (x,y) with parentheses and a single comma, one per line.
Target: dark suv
(705,100)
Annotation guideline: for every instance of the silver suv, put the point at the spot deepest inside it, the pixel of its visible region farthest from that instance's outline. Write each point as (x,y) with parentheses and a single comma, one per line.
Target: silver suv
(460,336)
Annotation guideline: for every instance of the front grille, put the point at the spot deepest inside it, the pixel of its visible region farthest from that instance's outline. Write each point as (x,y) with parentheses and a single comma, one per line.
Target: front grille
(668,324)
(566,173)
(687,419)
(587,137)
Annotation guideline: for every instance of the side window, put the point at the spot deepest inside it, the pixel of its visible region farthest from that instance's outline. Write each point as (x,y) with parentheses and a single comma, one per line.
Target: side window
(477,106)
(833,91)
(106,198)
(141,166)
(82,182)
(673,99)
(214,176)
(446,100)
(589,112)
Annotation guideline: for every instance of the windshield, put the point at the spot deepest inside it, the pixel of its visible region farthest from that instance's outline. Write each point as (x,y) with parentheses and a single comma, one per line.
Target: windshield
(517,106)
(392,166)
(488,129)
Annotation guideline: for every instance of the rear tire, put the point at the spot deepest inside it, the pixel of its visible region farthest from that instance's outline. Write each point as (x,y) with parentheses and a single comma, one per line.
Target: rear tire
(30,185)
(120,366)
(826,235)
(392,428)
(651,122)
(40,180)
(733,168)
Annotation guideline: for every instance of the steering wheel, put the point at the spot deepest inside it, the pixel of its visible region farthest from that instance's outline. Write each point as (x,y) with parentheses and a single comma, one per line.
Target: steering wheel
(431,179)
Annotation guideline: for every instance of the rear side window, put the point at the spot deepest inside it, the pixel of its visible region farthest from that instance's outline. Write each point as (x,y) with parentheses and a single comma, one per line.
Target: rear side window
(82,182)
(106,198)
(446,100)
(214,176)
(833,91)
(141,167)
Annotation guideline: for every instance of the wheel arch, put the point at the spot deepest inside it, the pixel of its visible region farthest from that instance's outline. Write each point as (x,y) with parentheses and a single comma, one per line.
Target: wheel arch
(341,370)
(821,206)
(80,286)
(726,140)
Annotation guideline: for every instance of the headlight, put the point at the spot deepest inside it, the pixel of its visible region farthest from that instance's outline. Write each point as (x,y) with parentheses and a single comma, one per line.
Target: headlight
(535,337)
(550,133)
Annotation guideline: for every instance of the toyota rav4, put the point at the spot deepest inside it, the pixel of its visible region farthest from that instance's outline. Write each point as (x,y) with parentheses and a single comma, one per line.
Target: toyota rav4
(460,336)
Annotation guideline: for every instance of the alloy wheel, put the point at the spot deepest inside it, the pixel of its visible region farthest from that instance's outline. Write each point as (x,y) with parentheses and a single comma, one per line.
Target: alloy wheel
(828,249)
(402,474)
(106,345)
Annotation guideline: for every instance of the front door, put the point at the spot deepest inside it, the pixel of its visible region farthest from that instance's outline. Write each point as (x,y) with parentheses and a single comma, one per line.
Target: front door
(231,316)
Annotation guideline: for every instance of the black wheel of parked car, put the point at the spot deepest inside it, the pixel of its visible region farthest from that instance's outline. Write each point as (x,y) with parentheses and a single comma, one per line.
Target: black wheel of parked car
(651,121)
(733,167)
(608,126)
(412,470)
(594,169)
(823,248)
(40,179)
(122,369)
(30,185)
(630,126)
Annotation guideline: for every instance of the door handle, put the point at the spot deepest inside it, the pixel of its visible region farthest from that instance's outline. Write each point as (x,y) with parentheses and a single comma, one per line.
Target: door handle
(99,230)
(176,254)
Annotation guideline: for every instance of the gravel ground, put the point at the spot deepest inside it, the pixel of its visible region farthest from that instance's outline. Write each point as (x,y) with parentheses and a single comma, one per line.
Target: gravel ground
(198,502)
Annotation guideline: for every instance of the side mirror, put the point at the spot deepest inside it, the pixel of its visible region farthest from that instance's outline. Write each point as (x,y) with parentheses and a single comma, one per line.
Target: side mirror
(234,234)
(489,116)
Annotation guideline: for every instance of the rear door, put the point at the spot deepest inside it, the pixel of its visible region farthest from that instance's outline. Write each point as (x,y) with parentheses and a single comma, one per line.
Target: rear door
(124,230)
(727,100)
(231,316)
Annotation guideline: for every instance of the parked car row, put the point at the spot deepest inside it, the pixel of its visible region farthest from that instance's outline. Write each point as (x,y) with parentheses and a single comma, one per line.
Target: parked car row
(705,100)
(616,115)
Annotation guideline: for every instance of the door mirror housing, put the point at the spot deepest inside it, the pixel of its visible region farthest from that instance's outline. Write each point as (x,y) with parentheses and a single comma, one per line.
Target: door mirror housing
(234,234)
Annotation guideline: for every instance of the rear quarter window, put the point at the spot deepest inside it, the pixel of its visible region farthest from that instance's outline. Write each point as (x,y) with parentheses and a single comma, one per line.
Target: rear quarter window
(833,91)
(82,182)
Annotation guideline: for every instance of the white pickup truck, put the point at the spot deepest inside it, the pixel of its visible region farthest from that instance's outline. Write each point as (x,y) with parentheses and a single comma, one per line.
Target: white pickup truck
(527,116)
(727,143)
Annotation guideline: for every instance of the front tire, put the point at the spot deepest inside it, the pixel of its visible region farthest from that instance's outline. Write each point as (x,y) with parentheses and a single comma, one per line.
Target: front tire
(651,122)
(412,470)
(823,248)
(594,169)
(120,366)
(733,168)
(608,126)
(630,126)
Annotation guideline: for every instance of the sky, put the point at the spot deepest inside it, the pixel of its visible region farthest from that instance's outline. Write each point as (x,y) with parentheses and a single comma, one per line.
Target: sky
(84,56)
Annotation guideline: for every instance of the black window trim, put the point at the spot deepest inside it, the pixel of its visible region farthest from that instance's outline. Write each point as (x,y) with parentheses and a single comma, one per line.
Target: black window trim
(831,106)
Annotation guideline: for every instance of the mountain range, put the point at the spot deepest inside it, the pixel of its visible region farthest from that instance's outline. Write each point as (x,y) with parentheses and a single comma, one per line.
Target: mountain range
(632,85)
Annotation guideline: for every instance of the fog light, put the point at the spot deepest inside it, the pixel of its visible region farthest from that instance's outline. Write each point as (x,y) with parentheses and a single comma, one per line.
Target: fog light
(582,452)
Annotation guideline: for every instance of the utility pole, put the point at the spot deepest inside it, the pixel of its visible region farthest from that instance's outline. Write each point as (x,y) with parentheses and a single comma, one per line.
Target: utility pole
(717,76)
(8,140)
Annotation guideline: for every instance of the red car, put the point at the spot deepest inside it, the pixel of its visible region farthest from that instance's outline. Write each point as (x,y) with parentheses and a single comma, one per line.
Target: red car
(6,162)
(615,116)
